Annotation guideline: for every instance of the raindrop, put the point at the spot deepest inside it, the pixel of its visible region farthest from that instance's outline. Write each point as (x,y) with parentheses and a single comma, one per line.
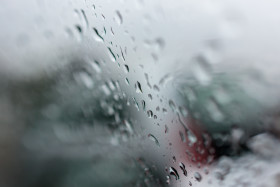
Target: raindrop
(183,168)
(147,80)
(172,105)
(118,18)
(122,54)
(167,179)
(164,110)
(166,129)
(160,43)
(127,81)
(155,116)
(113,57)
(138,88)
(183,111)
(135,103)
(182,136)
(143,105)
(99,37)
(150,96)
(150,113)
(197,176)
(112,31)
(156,88)
(126,68)
(106,89)
(153,138)
(85,18)
(157,109)
(79,28)
(190,183)
(174,159)
(173,171)
(85,79)
(96,66)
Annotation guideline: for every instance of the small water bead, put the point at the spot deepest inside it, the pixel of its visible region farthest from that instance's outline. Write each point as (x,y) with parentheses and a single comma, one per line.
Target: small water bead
(172,105)
(174,159)
(98,36)
(96,66)
(127,81)
(150,113)
(112,55)
(150,96)
(183,168)
(166,129)
(197,176)
(182,136)
(156,88)
(126,68)
(167,179)
(118,18)
(138,88)
(85,18)
(154,139)
(135,103)
(143,105)
(173,172)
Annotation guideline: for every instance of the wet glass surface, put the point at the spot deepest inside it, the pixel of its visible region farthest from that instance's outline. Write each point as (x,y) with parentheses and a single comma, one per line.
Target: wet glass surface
(139,93)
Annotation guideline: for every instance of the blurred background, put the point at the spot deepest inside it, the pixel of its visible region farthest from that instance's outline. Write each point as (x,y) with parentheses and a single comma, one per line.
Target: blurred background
(139,93)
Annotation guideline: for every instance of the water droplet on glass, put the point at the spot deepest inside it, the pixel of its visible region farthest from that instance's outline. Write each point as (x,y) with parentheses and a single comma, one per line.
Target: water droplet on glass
(172,105)
(118,18)
(153,138)
(156,88)
(150,113)
(190,183)
(135,103)
(85,79)
(182,136)
(112,55)
(150,96)
(183,111)
(165,129)
(173,172)
(160,43)
(197,176)
(183,168)
(97,37)
(147,80)
(174,159)
(167,179)
(143,105)
(85,18)
(96,66)
(127,81)
(138,88)
(126,68)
